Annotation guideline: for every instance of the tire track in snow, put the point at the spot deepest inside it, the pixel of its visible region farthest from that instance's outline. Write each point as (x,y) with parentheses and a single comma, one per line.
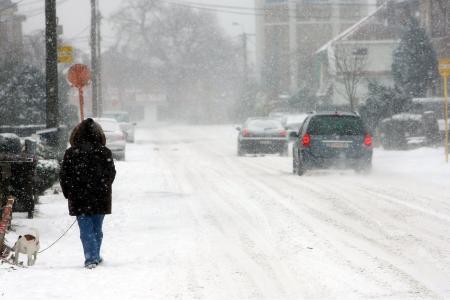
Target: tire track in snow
(326,191)
(331,214)
(336,224)
(206,218)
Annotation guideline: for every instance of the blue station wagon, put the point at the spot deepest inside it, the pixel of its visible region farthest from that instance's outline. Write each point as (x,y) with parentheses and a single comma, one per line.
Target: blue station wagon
(332,140)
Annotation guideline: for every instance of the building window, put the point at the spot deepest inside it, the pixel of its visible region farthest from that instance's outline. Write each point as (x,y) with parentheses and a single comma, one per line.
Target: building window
(360,51)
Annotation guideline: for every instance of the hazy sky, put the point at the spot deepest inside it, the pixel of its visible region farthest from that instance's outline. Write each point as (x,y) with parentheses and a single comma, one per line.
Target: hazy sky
(74,15)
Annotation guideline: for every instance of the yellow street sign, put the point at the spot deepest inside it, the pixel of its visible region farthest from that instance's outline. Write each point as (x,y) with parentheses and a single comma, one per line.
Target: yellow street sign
(65,59)
(65,49)
(444,66)
(65,54)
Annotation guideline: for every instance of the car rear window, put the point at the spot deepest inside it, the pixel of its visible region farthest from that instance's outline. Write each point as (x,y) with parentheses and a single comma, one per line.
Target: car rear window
(109,126)
(264,124)
(120,117)
(332,125)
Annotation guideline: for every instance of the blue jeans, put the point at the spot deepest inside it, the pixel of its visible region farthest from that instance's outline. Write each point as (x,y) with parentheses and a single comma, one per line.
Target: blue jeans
(91,236)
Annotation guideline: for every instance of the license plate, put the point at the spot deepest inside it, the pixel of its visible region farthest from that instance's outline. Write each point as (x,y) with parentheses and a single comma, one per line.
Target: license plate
(338,145)
(266,142)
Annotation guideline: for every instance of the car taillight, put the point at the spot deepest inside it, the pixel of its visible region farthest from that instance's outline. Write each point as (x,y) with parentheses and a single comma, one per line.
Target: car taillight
(306,140)
(118,136)
(368,140)
(245,132)
(283,133)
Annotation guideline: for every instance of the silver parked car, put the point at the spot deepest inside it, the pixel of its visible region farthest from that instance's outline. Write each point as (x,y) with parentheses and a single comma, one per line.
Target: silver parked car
(115,138)
(262,135)
(124,122)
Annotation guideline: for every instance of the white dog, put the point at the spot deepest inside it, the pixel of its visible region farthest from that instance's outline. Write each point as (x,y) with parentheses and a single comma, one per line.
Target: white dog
(27,244)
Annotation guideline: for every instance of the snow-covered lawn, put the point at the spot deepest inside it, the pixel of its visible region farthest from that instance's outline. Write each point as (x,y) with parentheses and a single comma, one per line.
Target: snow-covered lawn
(191,220)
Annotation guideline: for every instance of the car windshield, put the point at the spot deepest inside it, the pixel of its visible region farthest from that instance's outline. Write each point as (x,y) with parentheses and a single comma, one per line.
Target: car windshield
(264,124)
(108,125)
(120,117)
(336,125)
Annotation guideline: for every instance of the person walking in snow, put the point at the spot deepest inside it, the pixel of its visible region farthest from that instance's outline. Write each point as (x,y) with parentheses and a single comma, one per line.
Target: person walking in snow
(86,178)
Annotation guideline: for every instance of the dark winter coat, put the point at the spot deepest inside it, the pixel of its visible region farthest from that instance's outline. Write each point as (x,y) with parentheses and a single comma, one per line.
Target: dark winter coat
(87,172)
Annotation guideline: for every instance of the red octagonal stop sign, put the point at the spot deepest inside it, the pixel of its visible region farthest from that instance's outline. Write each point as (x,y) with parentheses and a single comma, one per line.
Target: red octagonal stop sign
(79,75)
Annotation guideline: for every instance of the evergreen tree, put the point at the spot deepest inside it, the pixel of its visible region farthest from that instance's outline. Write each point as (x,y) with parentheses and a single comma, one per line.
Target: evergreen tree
(22,96)
(414,64)
(383,102)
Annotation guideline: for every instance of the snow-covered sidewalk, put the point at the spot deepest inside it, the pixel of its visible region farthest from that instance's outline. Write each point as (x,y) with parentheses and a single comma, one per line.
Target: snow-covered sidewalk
(191,220)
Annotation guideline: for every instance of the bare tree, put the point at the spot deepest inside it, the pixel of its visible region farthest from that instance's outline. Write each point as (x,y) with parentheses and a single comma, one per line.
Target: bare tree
(185,49)
(34,49)
(350,64)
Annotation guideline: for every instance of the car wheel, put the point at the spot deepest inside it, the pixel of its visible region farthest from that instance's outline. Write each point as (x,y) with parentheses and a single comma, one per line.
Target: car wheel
(285,150)
(294,165)
(364,167)
(120,157)
(299,168)
(240,152)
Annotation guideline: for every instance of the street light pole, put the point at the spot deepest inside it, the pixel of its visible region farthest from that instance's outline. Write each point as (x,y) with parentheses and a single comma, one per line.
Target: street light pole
(51,45)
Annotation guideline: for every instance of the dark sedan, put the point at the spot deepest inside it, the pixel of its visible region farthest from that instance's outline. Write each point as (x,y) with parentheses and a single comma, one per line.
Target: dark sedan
(260,135)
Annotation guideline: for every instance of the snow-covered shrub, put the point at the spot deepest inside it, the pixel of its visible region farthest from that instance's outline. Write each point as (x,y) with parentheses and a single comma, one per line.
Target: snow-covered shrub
(383,102)
(403,131)
(47,172)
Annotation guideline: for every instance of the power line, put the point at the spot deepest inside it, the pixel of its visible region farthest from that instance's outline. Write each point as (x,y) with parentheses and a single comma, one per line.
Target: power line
(214,5)
(21,4)
(256,9)
(78,35)
(34,12)
(212,9)
(240,10)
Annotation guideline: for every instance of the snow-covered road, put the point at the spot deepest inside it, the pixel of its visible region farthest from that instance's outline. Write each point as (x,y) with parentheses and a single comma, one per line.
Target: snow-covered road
(191,220)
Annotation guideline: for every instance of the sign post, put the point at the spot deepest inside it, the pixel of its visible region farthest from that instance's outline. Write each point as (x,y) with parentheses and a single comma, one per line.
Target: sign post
(80,76)
(444,70)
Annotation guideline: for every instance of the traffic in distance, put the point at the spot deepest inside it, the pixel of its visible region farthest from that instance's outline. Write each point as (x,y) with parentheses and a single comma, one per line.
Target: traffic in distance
(319,140)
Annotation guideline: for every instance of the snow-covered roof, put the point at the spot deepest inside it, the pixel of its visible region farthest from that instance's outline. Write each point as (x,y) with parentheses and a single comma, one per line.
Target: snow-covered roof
(428,100)
(351,29)
(9,135)
(406,117)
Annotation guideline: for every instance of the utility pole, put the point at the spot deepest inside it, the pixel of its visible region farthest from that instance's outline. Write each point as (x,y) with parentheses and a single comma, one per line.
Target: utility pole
(293,47)
(94,55)
(245,56)
(99,66)
(51,44)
